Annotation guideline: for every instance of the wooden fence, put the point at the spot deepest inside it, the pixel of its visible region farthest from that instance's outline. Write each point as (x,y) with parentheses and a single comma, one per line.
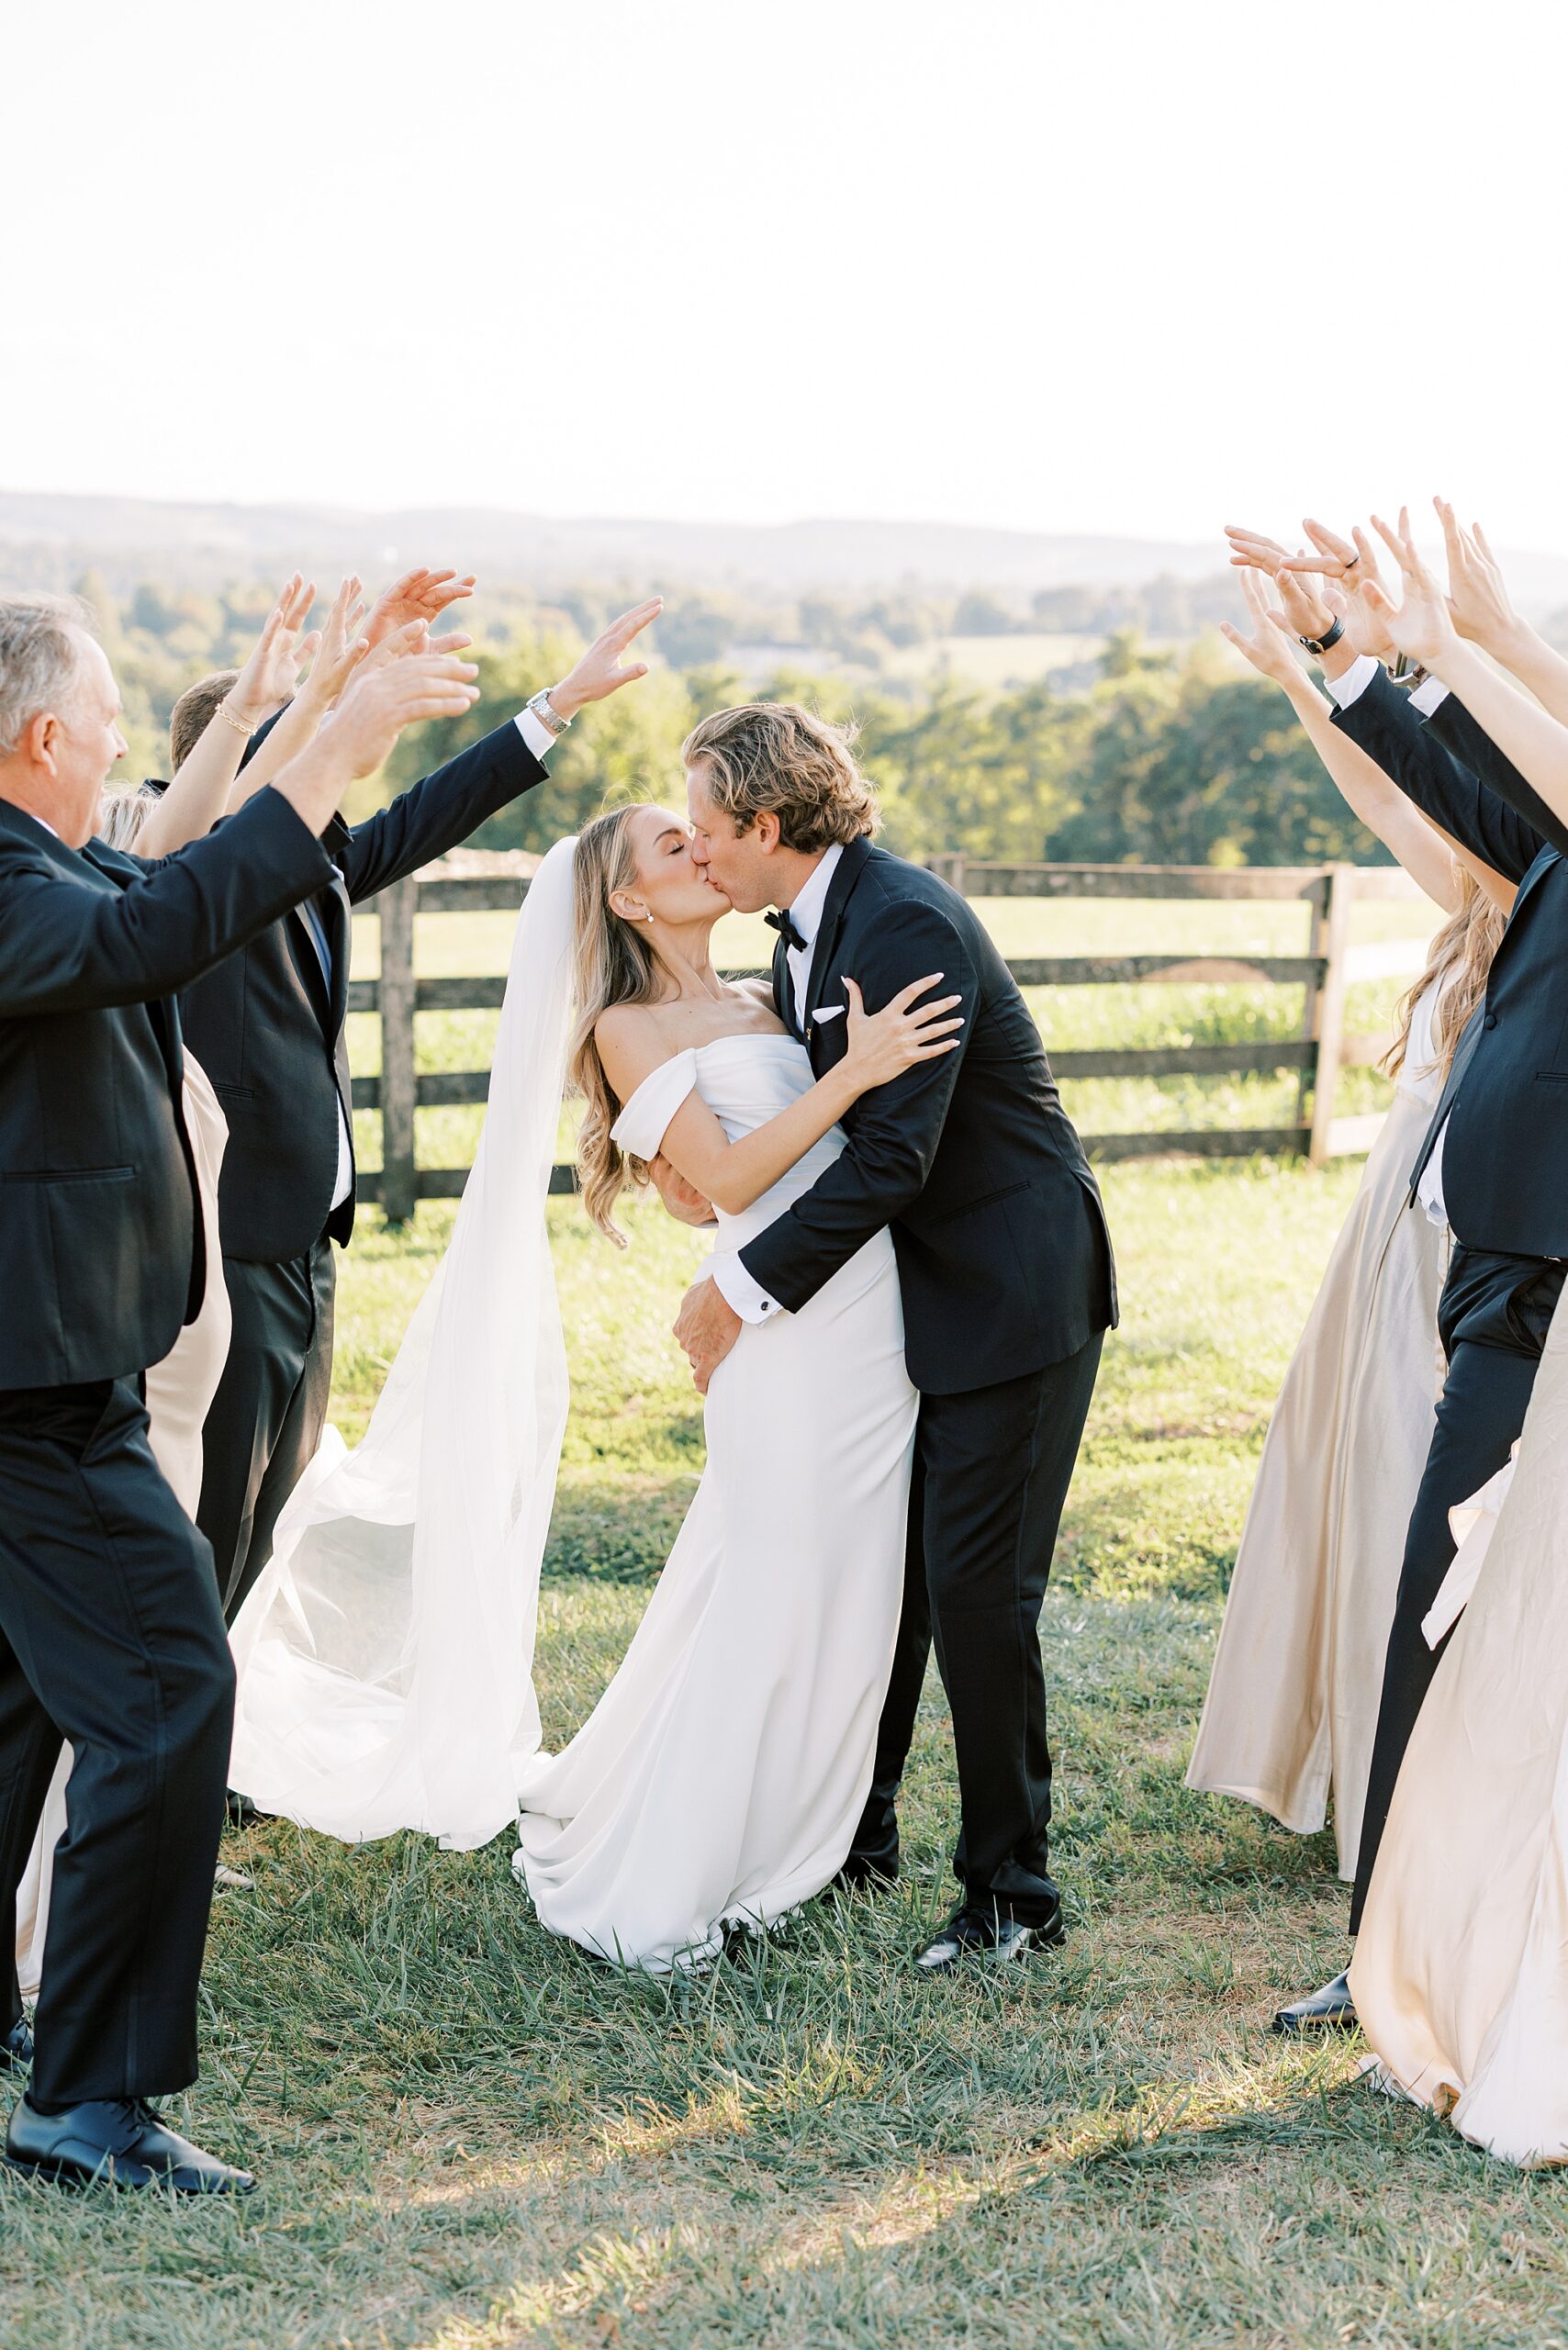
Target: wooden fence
(1318,1054)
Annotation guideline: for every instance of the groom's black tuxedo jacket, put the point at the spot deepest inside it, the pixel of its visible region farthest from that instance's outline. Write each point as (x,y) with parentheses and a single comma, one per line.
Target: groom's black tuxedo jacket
(1507,1096)
(1003,1256)
(269,1033)
(102,1252)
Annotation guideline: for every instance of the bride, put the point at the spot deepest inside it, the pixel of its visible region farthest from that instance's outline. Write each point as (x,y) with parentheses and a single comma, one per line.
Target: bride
(385,1654)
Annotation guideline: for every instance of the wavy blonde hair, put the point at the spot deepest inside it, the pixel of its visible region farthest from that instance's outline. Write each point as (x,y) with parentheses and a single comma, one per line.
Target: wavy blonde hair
(776,756)
(613,963)
(1461,954)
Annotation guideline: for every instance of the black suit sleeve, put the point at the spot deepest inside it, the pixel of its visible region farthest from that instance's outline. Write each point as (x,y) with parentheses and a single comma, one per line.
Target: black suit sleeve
(894,1130)
(65,948)
(1382,722)
(434,814)
(1468,740)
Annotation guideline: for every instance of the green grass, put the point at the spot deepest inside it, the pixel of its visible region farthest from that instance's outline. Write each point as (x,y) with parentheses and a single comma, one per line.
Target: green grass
(471,2138)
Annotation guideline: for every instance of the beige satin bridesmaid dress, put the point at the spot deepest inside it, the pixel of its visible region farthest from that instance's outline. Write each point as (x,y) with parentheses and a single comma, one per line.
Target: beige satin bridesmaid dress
(1293,1698)
(1460,1971)
(179,1391)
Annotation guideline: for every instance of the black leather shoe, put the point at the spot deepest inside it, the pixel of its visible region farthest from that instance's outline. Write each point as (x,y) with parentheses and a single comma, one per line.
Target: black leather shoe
(986,1935)
(16,2048)
(1330,2009)
(115,2142)
(242,1812)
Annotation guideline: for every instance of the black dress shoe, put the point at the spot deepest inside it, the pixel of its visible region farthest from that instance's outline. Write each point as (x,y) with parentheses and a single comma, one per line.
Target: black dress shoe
(1330,2009)
(115,2142)
(16,2048)
(986,1935)
(242,1812)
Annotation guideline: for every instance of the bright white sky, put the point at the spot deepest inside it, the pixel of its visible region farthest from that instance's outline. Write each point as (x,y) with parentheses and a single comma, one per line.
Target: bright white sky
(1128,266)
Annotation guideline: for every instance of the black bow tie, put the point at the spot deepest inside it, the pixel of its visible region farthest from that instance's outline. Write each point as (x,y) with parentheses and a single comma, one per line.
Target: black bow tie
(784,923)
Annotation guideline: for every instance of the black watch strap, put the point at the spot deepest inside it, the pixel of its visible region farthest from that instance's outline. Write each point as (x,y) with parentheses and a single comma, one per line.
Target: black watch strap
(1322,643)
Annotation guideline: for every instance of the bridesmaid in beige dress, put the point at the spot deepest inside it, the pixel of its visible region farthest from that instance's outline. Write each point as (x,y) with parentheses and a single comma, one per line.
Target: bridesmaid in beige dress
(1293,1698)
(1461,1972)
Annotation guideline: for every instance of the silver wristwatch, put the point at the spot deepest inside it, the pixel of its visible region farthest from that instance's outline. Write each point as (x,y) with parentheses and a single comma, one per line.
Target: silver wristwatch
(546,712)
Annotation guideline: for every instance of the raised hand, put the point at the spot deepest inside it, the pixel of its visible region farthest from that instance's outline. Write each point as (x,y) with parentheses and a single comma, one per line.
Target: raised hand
(1479,602)
(381,701)
(1305,607)
(600,673)
(420,595)
(266,681)
(1352,564)
(340,649)
(1271,648)
(1421,627)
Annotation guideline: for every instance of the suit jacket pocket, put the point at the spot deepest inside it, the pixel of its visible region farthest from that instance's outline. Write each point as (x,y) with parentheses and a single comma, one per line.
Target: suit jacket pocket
(52,1175)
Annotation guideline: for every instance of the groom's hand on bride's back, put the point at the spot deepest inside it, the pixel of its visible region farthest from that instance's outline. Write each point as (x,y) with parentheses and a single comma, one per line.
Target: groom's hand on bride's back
(684,1200)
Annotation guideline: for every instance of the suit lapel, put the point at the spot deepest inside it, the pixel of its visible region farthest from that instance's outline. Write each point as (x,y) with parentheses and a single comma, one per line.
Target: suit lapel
(1548,857)
(850,866)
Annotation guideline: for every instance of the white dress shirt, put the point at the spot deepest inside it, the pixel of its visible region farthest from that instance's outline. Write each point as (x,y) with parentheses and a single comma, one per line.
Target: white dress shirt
(1425,697)
(737,1286)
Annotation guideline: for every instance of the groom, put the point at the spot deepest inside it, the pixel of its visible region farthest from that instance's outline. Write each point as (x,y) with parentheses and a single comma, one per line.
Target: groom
(1003,1259)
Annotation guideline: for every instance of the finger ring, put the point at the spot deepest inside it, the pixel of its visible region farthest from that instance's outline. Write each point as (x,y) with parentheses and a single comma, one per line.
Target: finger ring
(1352,562)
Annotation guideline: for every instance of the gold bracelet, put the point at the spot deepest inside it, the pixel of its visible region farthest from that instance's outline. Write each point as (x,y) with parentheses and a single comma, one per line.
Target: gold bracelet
(237,724)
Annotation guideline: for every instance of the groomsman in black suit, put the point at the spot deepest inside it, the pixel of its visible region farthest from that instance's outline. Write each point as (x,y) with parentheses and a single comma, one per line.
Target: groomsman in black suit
(1492,1164)
(111,1637)
(267,1025)
(1004,1263)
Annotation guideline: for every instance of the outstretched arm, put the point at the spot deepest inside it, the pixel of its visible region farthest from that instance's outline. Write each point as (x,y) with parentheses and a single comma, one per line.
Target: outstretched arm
(1426,852)
(905,1035)
(434,814)
(1532,742)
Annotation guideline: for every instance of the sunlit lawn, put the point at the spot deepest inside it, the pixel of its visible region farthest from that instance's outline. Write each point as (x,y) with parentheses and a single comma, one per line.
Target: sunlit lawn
(470,2138)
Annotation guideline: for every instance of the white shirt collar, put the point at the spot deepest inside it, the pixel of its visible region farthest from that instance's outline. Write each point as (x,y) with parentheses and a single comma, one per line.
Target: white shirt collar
(806,913)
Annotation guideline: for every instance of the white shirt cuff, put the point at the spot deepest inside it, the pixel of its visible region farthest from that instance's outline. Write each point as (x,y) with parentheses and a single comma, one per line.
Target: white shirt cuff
(740,1292)
(534,732)
(1427,695)
(1355,681)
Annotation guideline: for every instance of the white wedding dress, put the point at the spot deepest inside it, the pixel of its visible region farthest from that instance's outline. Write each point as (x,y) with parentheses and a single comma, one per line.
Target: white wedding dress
(720,1776)
(385,1654)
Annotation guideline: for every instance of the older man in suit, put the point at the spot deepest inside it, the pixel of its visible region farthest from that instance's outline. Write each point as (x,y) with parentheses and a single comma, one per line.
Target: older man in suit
(111,1637)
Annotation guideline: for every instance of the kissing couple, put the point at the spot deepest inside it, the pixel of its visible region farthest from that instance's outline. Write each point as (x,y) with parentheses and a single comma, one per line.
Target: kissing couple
(897,1339)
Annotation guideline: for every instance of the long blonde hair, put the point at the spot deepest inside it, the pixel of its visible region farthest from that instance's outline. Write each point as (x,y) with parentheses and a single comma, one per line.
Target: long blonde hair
(613,963)
(121,815)
(1461,957)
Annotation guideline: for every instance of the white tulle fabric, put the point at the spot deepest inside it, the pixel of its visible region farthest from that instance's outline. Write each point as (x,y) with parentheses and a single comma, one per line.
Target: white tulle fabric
(721,1773)
(385,1654)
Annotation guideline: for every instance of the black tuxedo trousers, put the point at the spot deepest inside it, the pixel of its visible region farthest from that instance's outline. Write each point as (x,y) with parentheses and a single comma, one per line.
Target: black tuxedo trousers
(1492,1319)
(110,1638)
(265,1421)
(991,1470)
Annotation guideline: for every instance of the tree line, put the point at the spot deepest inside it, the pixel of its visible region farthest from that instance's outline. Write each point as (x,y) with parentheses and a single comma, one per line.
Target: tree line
(1160,757)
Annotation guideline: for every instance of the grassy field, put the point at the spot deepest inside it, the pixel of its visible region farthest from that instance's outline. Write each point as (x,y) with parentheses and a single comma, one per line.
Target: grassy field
(471,2139)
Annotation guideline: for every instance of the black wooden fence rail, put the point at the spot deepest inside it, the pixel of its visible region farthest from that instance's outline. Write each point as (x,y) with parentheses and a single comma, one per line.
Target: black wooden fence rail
(1318,1054)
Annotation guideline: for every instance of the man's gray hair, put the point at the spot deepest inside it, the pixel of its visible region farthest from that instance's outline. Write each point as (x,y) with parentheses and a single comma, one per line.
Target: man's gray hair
(41,658)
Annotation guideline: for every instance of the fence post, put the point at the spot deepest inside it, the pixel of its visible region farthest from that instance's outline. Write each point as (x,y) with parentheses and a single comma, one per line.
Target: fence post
(949,865)
(395,908)
(1329,1025)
